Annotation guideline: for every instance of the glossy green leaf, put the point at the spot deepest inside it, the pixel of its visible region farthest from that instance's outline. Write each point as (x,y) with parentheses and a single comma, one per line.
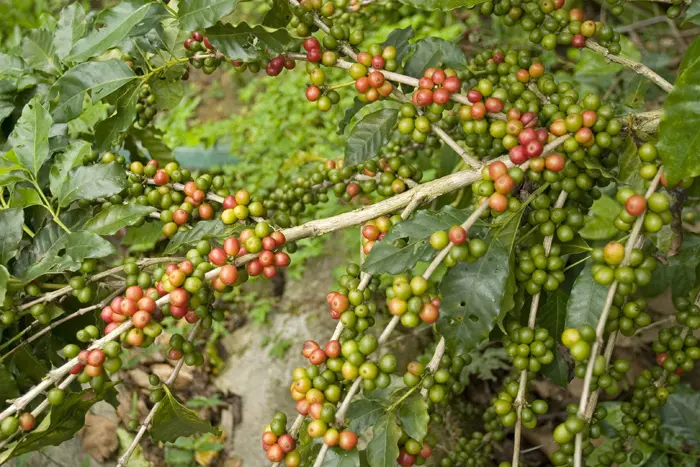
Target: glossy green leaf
(100,79)
(4,277)
(586,301)
(195,15)
(472,297)
(11,67)
(150,144)
(143,238)
(692,14)
(678,135)
(350,112)
(246,43)
(72,157)
(337,457)
(681,271)
(383,449)
(92,182)
(680,414)
(278,15)
(71,27)
(414,417)
(126,18)
(61,424)
(629,164)
(11,221)
(387,258)
(173,420)
(399,38)
(25,196)
(8,91)
(30,138)
(363,413)
(369,135)
(202,230)
(434,52)
(552,314)
(557,371)
(8,385)
(39,51)
(107,131)
(691,56)
(598,224)
(109,221)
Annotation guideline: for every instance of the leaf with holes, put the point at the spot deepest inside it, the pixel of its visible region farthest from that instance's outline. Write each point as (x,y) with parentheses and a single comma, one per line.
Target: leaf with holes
(399,38)
(680,271)
(278,15)
(383,449)
(173,420)
(434,52)
(414,417)
(195,15)
(472,297)
(586,301)
(369,135)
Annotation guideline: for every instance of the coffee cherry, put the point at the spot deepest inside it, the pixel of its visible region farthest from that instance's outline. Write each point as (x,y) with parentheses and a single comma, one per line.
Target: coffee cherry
(635,205)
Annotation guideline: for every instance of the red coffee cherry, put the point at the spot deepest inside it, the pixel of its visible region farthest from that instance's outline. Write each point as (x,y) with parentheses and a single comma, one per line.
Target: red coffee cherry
(311,43)
(498,202)
(452,84)
(333,349)
(146,304)
(282,259)
(286,442)
(429,313)
(179,297)
(347,440)
(635,205)
(217,256)
(134,293)
(308,348)
(161,177)
(313,93)
(504,184)
(228,274)
(555,162)
(141,319)
(457,234)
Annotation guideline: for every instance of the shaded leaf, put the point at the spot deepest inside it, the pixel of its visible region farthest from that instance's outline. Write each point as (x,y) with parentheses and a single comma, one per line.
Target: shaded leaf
(8,385)
(692,14)
(557,371)
(11,67)
(278,16)
(434,52)
(399,38)
(11,221)
(100,79)
(92,182)
(107,131)
(350,112)
(25,196)
(30,137)
(678,135)
(629,164)
(587,300)
(552,313)
(173,420)
(8,90)
(369,135)
(681,271)
(110,220)
(337,457)
(143,238)
(71,27)
(194,15)
(126,18)
(598,224)
(383,449)
(39,52)
(72,157)
(201,231)
(680,414)
(363,413)
(246,43)
(414,417)
(691,56)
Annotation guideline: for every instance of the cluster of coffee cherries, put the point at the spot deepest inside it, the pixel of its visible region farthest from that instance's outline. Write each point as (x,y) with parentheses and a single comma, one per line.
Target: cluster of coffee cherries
(276,64)
(350,304)
(436,86)
(418,126)
(463,249)
(261,239)
(278,444)
(470,451)
(505,410)
(179,347)
(374,230)
(565,432)
(610,266)
(372,85)
(414,452)
(627,317)
(92,364)
(409,299)
(199,43)
(146,108)
(303,21)
(26,421)
(578,341)
(137,305)
(317,90)
(550,25)
(529,349)
(606,377)
(656,210)
(539,270)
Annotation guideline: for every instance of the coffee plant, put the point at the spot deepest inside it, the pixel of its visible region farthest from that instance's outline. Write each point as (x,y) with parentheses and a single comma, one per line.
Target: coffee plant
(501,200)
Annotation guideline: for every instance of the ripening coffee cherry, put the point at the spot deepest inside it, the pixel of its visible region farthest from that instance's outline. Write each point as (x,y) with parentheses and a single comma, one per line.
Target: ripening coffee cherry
(635,205)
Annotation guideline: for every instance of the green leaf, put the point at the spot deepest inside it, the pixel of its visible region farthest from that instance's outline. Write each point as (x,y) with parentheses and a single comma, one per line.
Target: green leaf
(11,221)
(692,14)
(681,271)
(72,157)
(278,15)
(107,131)
(552,314)
(71,27)
(143,238)
(369,135)
(76,247)
(195,15)
(202,230)
(350,112)
(472,297)
(150,144)
(557,371)
(629,164)
(8,385)
(92,182)
(363,413)
(11,67)
(606,447)
(100,79)
(30,138)
(127,18)
(25,196)
(434,52)
(399,38)
(61,424)
(168,93)
(387,258)
(246,43)
(691,56)
(4,278)
(383,449)
(414,417)
(110,220)
(173,420)
(444,5)
(337,457)
(39,51)
(8,91)
(587,300)
(598,224)
(678,135)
